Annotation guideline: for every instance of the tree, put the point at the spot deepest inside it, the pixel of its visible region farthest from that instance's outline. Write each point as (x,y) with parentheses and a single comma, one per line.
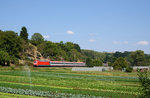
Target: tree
(62,45)
(94,54)
(145,84)
(69,46)
(118,54)
(11,43)
(24,34)
(74,55)
(147,60)
(52,50)
(4,58)
(77,47)
(120,63)
(37,39)
(89,62)
(109,58)
(138,58)
(97,62)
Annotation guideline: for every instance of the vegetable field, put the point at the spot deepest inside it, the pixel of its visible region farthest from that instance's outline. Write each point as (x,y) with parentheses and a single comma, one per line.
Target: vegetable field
(62,82)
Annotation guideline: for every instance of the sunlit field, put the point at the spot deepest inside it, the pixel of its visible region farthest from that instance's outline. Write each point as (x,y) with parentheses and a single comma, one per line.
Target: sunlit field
(62,82)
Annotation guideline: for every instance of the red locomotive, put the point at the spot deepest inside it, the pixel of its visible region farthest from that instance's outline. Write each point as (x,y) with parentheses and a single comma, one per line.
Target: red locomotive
(41,63)
(58,63)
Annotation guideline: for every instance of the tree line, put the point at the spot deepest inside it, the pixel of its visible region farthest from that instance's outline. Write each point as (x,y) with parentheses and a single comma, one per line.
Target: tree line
(119,60)
(14,45)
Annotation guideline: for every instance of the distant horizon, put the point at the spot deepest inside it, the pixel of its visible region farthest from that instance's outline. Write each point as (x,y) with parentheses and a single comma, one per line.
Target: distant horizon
(99,25)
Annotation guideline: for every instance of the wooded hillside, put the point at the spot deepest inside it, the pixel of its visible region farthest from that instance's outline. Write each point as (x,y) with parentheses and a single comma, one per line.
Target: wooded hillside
(15,47)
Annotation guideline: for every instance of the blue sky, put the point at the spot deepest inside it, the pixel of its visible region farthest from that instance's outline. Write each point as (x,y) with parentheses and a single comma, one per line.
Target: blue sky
(101,25)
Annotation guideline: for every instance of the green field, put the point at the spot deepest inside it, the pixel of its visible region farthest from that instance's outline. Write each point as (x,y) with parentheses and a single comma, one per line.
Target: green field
(62,82)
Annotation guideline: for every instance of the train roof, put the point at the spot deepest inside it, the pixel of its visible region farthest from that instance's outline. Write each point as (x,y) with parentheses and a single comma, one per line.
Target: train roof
(42,60)
(57,61)
(64,62)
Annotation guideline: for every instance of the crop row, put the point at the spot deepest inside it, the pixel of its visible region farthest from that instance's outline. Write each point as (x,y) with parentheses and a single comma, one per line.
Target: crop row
(44,93)
(67,80)
(72,76)
(72,83)
(107,93)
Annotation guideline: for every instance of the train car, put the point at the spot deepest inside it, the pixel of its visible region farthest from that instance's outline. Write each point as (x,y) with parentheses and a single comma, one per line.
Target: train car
(67,64)
(58,63)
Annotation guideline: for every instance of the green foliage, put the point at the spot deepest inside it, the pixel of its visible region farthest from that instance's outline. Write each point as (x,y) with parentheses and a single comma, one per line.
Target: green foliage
(77,47)
(50,49)
(120,63)
(93,54)
(4,58)
(69,46)
(137,58)
(14,60)
(144,79)
(110,64)
(118,54)
(37,39)
(60,51)
(89,62)
(74,55)
(129,69)
(24,34)
(109,58)
(147,60)
(11,43)
(97,63)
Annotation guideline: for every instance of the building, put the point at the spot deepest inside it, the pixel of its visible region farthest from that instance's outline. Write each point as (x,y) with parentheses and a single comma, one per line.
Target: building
(141,67)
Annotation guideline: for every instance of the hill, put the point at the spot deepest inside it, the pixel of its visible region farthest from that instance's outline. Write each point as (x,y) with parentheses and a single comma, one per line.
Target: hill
(16,48)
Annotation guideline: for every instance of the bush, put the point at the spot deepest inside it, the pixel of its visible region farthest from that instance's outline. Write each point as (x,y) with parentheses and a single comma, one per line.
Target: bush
(145,83)
(129,69)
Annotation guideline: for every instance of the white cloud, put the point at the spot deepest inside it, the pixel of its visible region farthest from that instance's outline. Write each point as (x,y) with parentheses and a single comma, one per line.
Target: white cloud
(145,43)
(92,40)
(45,36)
(70,32)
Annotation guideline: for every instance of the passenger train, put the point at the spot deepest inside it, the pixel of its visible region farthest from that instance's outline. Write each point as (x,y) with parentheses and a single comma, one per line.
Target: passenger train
(58,63)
